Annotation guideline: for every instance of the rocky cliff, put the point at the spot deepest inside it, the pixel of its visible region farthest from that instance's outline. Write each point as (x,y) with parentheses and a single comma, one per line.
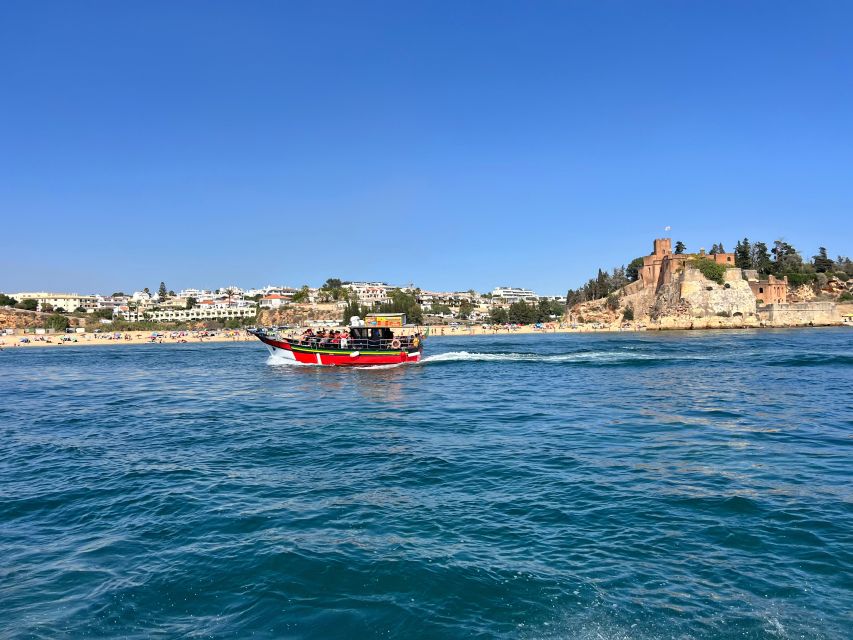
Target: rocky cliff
(19,319)
(295,314)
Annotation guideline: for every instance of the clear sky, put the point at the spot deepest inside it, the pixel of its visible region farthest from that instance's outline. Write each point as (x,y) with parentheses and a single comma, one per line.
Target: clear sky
(450,144)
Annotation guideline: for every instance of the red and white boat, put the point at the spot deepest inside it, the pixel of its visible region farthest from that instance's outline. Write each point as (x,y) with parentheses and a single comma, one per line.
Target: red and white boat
(367,343)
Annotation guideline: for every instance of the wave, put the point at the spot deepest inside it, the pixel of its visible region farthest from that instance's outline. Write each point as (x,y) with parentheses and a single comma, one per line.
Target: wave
(811,360)
(584,357)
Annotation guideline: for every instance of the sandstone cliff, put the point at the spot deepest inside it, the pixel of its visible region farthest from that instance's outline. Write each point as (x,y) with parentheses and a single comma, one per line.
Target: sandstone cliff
(294,314)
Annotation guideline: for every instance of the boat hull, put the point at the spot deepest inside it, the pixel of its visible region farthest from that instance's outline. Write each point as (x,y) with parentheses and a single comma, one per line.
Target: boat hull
(337,357)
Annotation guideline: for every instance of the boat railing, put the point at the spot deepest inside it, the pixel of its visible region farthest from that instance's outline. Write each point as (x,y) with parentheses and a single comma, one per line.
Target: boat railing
(349,344)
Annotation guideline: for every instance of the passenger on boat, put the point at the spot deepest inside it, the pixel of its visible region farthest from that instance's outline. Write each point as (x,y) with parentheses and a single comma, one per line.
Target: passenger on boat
(344,339)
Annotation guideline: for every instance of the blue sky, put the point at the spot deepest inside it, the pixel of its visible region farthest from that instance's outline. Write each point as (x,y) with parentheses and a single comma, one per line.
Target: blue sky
(450,144)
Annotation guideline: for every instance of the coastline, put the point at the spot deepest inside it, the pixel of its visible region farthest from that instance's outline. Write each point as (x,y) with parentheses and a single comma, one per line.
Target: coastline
(127,337)
(198,337)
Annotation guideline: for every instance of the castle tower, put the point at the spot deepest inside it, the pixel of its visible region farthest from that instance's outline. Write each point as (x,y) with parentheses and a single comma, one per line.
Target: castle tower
(662,247)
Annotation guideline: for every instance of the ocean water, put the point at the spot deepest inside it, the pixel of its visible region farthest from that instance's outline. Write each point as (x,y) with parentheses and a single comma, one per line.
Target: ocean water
(675,485)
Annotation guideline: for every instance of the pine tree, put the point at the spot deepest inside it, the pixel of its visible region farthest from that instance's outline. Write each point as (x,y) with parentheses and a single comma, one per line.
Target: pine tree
(743,254)
(822,262)
(761,258)
(162,291)
(680,247)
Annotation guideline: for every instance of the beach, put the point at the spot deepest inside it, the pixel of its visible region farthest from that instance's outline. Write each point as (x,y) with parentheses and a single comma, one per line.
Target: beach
(121,337)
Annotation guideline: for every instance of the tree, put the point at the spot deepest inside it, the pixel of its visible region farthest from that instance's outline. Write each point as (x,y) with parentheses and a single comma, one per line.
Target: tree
(786,259)
(352,309)
(680,247)
(761,258)
(613,302)
(633,270)
(147,290)
(465,310)
(628,313)
(333,289)
(522,313)
(57,321)
(743,254)
(171,293)
(7,301)
(162,292)
(28,304)
(118,294)
(230,292)
(104,313)
(402,302)
(822,262)
(47,308)
(548,308)
(498,315)
(302,295)
(191,302)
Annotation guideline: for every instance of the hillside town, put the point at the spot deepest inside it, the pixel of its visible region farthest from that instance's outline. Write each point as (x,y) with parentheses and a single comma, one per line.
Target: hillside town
(668,288)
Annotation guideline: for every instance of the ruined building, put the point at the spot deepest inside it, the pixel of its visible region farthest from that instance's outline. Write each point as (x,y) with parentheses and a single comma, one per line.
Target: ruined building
(770,291)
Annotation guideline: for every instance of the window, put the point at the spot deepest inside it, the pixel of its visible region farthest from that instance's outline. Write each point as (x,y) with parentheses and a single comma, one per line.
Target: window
(760,289)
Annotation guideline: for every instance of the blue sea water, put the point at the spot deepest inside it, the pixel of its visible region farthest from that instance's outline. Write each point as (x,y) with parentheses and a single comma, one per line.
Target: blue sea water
(615,486)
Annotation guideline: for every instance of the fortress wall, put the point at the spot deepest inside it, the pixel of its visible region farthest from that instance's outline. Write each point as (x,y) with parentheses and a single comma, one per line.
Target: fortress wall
(802,313)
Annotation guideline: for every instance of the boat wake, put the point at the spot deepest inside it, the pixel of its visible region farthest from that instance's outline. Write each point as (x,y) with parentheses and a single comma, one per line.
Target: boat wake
(582,357)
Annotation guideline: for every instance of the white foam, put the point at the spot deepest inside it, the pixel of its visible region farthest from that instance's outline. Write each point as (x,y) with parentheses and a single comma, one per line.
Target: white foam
(599,356)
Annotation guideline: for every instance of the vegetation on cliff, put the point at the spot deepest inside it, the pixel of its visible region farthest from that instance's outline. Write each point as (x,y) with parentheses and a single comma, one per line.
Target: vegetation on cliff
(712,270)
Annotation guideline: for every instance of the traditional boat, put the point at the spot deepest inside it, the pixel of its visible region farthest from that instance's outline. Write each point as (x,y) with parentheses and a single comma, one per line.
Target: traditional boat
(364,343)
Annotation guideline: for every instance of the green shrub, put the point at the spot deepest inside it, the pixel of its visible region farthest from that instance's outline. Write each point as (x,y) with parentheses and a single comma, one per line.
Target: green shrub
(28,304)
(842,276)
(613,302)
(56,321)
(799,279)
(628,313)
(710,269)
(845,297)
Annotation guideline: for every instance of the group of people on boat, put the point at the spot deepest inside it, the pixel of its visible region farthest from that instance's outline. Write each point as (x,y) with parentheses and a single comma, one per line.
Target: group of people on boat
(325,338)
(362,338)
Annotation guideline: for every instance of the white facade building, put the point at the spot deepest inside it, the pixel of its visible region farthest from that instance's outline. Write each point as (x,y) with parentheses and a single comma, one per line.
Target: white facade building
(514,294)
(65,301)
(201,312)
(369,293)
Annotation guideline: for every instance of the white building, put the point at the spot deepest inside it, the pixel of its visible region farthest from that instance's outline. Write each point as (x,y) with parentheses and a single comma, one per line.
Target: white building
(514,294)
(65,301)
(200,312)
(198,294)
(275,300)
(369,293)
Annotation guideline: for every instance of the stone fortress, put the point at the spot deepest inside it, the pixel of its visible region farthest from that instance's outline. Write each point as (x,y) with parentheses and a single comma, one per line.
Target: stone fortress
(671,292)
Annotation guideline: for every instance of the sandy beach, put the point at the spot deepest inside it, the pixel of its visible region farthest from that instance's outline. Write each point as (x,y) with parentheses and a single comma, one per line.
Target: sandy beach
(125,337)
